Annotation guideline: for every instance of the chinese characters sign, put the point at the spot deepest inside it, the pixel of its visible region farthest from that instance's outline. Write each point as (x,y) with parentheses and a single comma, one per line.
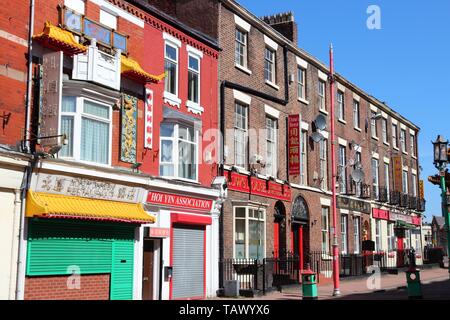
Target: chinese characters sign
(294,144)
(86,188)
(256,186)
(398,171)
(128,133)
(148,141)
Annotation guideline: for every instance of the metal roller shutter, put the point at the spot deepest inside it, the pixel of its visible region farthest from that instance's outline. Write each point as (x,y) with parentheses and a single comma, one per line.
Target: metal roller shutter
(188,262)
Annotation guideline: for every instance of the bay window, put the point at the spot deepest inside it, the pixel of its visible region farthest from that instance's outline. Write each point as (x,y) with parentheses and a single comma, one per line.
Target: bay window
(249,233)
(87,125)
(178,155)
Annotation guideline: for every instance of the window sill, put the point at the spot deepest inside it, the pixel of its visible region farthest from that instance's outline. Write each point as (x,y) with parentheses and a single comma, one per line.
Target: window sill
(357,129)
(342,121)
(180,179)
(94,164)
(396,148)
(273,85)
(243,69)
(323,111)
(375,138)
(327,257)
(414,157)
(404,152)
(195,108)
(303,101)
(171,99)
(386,143)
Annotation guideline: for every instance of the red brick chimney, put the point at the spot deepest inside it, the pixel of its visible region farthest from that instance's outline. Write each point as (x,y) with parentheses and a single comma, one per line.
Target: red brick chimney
(284,23)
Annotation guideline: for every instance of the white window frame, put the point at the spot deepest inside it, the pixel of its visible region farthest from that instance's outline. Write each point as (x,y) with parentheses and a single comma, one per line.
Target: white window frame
(395,136)
(244,131)
(342,168)
(325,230)
(273,161)
(373,125)
(412,144)
(403,140)
(376,177)
(384,124)
(78,115)
(304,157)
(245,45)
(405,185)
(247,233)
(357,234)
(356,114)
(195,107)
(169,97)
(108,19)
(271,64)
(378,236)
(322,95)
(175,151)
(344,233)
(391,236)
(323,159)
(414,185)
(301,83)
(340,99)
(387,180)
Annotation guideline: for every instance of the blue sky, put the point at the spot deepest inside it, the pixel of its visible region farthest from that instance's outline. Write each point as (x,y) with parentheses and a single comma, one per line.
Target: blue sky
(406,63)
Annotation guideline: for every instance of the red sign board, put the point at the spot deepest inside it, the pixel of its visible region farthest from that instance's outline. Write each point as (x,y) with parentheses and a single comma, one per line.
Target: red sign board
(294,144)
(261,187)
(416,221)
(174,200)
(159,232)
(380,214)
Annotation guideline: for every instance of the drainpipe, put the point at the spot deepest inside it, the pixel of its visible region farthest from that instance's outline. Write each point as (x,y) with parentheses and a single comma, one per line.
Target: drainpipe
(15,242)
(29,77)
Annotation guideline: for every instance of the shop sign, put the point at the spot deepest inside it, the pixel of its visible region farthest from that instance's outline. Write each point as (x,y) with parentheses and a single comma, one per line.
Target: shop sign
(421,190)
(353,204)
(294,144)
(398,173)
(174,200)
(257,186)
(380,214)
(128,143)
(159,232)
(405,218)
(51,97)
(87,188)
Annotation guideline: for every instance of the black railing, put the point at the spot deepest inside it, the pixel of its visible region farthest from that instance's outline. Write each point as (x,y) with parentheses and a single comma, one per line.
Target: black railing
(421,205)
(365,191)
(383,192)
(413,203)
(351,188)
(394,198)
(404,200)
(243,270)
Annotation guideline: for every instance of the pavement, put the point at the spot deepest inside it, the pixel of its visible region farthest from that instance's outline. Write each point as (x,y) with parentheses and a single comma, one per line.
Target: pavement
(435,286)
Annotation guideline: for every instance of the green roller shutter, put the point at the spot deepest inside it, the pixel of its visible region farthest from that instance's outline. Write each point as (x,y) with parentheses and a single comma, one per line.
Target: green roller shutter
(60,247)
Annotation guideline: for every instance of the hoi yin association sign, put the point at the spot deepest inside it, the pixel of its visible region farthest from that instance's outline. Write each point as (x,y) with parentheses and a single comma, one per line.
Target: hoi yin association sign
(174,200)
(294,144)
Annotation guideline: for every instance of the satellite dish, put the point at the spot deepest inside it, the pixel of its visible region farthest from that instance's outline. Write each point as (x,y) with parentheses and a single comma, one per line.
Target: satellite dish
(351,162)
(357,175)
(317,137)
(320,122)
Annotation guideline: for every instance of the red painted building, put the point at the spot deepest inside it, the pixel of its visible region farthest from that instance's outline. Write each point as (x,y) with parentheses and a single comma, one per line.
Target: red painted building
(123,106)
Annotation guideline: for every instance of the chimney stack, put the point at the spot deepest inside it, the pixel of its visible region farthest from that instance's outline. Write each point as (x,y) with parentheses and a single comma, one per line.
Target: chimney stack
(284,23)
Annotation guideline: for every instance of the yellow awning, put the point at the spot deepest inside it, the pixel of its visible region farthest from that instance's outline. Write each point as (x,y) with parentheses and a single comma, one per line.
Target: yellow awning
(48,205)
(56,38)
(131,68)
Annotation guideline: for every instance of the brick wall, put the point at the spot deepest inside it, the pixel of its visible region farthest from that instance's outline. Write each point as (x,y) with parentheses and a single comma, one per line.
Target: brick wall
(92,287)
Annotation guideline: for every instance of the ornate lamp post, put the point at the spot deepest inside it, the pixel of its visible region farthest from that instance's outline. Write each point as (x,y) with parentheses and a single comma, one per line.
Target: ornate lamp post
(440,147)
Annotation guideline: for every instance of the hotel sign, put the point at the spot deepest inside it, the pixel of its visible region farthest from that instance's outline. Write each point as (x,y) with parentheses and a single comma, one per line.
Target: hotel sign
(294,144)
(353,205)
(257,186)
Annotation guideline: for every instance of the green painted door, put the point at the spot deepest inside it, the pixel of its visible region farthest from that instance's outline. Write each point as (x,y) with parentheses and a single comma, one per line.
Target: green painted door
(122,270)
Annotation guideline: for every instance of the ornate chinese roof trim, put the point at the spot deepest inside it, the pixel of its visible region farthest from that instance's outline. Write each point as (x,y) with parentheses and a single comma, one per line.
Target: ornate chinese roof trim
(132,69)
(55,38)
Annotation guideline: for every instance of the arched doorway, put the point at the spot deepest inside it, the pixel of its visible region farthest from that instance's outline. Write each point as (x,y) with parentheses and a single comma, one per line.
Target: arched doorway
(300,229)
(279,230)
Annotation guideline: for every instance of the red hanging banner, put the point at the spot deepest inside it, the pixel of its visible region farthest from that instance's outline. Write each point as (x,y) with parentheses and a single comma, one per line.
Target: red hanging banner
(294,144)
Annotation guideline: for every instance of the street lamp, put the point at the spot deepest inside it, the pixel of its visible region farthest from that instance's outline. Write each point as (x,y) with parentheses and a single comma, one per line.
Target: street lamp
(440,148)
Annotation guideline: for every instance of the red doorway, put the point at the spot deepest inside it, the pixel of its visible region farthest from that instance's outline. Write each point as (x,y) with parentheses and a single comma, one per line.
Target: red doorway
(400,251)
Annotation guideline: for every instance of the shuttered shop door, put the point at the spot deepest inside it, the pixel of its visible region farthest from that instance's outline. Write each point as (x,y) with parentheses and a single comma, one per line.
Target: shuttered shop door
(188,258)
(61,247)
